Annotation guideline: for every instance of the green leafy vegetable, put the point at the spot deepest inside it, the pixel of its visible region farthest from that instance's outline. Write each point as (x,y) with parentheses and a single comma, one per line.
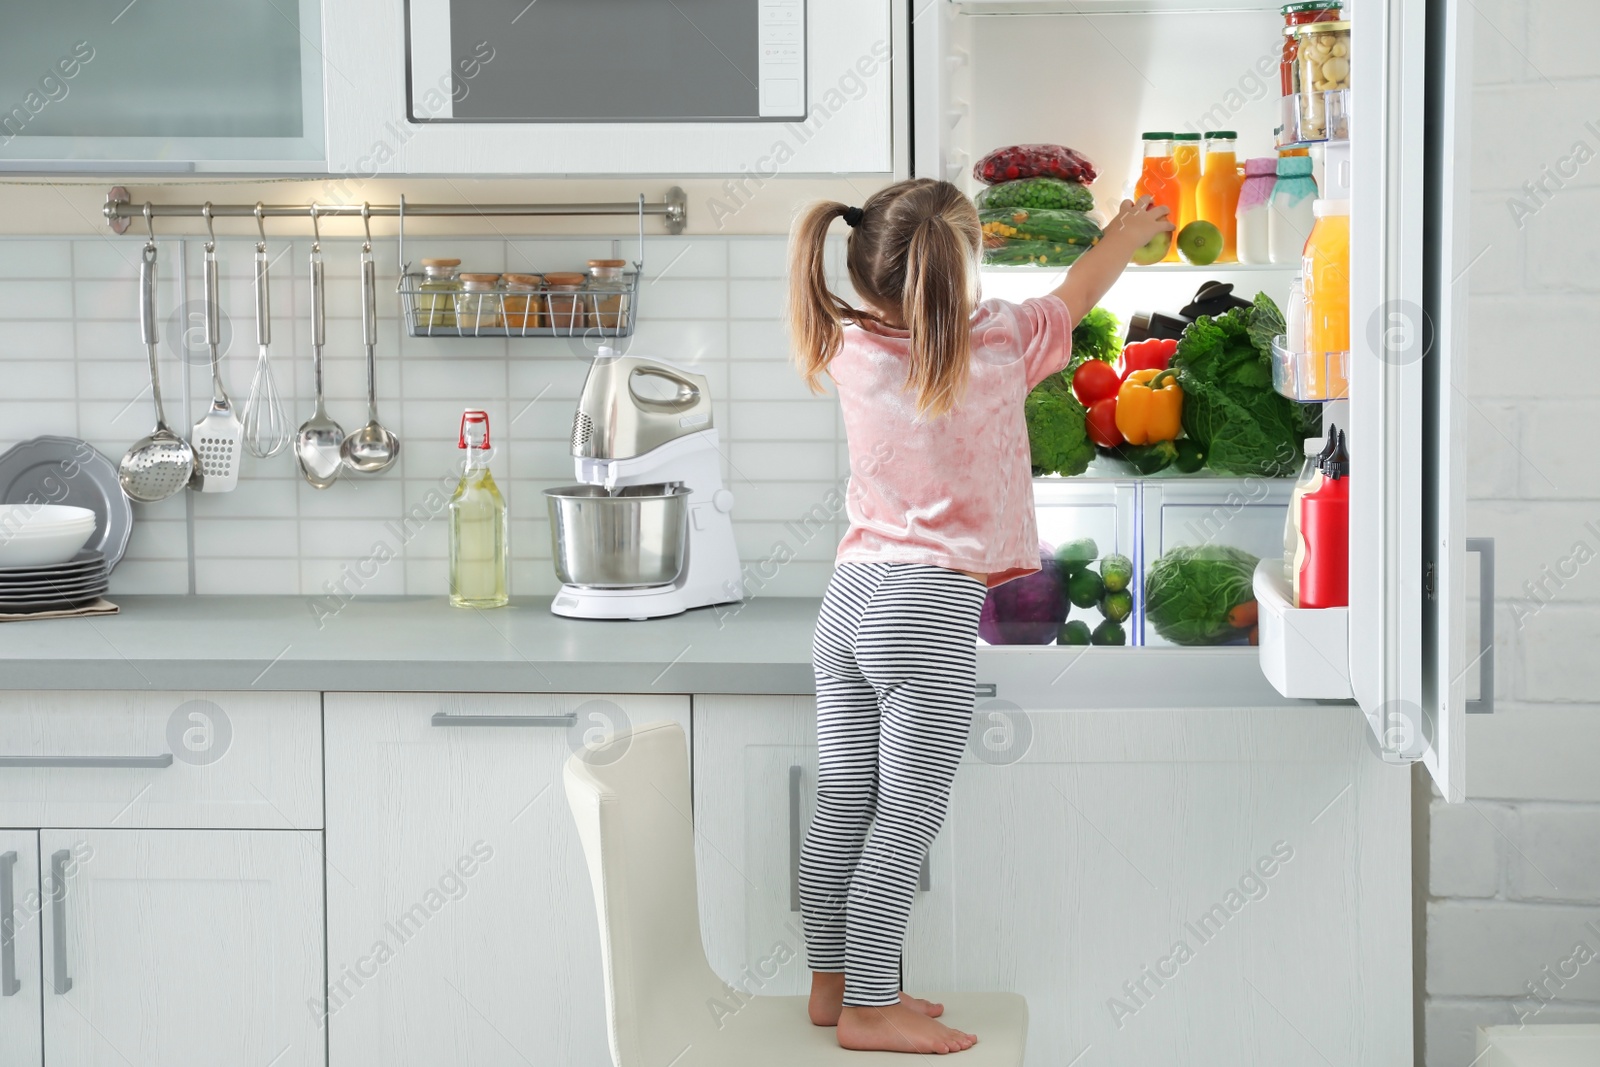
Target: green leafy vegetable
(1190,591)
(1057,433)
(1230,409)
(1097,336)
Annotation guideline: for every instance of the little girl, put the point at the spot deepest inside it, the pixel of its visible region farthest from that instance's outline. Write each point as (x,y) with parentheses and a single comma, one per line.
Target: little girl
(940,502)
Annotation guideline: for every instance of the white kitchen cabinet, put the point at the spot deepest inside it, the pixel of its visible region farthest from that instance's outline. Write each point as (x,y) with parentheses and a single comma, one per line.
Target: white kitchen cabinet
(20,991)
(161,759)
(1077,859)
(167,947)
(461,925)
(755,776)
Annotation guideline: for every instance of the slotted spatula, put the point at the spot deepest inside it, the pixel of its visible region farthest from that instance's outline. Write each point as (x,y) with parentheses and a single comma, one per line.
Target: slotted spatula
(216,437)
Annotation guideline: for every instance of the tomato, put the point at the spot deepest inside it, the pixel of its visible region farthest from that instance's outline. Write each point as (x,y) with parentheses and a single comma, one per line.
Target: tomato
(1094,381)
(1102,423)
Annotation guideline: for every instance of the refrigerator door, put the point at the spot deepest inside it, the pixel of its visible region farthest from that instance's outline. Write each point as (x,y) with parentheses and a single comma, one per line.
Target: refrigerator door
(1408,384)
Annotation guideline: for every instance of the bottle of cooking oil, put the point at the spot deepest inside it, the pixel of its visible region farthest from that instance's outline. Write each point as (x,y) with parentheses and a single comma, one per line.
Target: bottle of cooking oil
(478,560)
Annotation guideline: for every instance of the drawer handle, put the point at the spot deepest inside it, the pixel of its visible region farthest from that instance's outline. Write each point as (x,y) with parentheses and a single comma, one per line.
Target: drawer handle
(986,689)
(794,838)
(441,718)
(58,915)
(8,925)
(163,760)
(925,877)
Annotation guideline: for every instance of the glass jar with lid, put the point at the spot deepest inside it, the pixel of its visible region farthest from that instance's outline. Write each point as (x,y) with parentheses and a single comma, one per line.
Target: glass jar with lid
(1296,15)
(1322,75)
(565,301)
(522,305)
(608,301)
(436,295)
(478,303)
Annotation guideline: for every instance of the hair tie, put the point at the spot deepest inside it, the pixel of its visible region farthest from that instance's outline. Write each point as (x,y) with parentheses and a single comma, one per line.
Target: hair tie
(852,217)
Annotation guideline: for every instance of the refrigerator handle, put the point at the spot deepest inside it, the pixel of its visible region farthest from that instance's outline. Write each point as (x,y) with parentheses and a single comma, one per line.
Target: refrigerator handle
(1484,547)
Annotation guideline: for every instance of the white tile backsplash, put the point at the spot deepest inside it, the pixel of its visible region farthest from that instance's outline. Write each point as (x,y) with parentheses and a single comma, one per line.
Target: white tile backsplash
(71,362)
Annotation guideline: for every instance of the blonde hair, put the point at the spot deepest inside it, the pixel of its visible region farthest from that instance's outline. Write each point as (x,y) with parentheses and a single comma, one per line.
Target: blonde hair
(914,249)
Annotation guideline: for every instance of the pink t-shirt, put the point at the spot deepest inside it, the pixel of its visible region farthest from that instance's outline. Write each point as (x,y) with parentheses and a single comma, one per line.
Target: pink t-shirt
(956,490)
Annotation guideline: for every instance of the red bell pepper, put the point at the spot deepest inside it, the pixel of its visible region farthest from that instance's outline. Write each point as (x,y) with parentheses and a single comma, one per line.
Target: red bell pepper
(1153,353)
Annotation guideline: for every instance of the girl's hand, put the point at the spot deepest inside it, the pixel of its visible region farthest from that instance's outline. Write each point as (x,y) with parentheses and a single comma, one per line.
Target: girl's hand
(1139,221)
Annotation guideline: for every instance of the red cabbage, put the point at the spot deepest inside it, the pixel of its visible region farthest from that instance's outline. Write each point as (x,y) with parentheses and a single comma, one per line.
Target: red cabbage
(1027,610)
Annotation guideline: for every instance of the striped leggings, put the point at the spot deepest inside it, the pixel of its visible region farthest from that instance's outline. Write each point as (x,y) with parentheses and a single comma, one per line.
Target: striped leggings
(895,657)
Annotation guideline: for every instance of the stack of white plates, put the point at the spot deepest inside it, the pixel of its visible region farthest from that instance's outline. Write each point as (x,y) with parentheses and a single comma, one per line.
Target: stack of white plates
(54,586)
(33,535)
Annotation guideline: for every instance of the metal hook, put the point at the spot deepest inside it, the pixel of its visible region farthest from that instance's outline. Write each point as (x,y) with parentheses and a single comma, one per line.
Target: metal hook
(149,224)
(316,233)
(366,224)
(261,227)
(205,212)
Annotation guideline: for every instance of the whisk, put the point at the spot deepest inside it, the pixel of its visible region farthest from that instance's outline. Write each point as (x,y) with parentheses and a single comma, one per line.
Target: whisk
(266,425)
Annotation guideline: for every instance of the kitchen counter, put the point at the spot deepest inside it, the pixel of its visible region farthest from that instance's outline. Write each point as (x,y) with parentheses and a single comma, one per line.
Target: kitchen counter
(421,644)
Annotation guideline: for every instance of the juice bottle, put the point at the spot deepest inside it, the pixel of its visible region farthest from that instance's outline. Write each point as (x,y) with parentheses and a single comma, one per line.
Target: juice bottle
(1186,162)
(1325,269)
(478,559)
(1158,179)
(1217,197)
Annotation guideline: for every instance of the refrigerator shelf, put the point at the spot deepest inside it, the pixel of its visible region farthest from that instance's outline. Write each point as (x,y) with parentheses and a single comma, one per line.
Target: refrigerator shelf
(1305,652)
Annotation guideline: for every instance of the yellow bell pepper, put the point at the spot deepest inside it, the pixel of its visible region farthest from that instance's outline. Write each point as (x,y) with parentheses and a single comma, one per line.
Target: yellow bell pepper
(1150,406)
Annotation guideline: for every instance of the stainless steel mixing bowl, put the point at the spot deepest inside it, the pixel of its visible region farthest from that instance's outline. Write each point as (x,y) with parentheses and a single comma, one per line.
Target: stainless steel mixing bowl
(632,538)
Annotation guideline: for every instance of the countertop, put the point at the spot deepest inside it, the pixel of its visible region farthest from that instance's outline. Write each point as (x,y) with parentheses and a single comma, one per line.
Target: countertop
(421,644)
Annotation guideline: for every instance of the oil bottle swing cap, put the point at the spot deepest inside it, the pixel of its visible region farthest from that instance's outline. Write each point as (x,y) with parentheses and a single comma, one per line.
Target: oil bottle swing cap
(474,425)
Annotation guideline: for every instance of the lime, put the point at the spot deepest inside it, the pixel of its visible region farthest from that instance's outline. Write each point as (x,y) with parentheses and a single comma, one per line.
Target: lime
(1075,632)
(1084,588)
(1108,633)
(1076,555)
(1199,243)
(1116,572)
(1117,606)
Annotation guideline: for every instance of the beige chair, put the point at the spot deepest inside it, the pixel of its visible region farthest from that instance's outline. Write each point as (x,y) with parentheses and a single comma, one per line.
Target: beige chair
(665,1007)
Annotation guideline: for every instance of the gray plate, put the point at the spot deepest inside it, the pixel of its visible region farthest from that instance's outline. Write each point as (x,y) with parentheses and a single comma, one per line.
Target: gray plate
(13,590)
(76,596)
(86,561)
(65,470)
(48,605)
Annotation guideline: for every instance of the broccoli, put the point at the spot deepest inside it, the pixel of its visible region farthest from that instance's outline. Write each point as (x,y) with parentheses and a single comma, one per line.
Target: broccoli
(1057,434)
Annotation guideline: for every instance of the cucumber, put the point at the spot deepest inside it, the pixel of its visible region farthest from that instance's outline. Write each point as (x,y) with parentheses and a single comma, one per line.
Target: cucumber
(1037,193)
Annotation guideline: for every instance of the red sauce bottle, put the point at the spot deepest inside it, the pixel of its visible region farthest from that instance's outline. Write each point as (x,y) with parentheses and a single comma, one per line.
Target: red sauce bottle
(1325,532)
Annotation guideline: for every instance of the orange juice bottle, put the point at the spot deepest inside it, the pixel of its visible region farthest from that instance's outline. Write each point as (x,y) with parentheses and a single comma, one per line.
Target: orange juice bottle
(1158,180)
(1326,272)
(1186,161)
(1217,197)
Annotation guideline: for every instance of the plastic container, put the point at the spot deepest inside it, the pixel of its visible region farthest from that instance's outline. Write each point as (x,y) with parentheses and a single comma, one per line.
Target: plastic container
(1255,207)
(1290,221)
(522,304)
(1294,15)
(1158,179)
(1186,163)
(1325,272)
(565,304)
(436,295)
(1217,197)
(478,303)
(1295,377)
(1323,562)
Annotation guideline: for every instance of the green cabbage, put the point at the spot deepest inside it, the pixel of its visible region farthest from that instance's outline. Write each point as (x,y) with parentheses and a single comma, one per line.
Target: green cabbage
(1190,591)
(1243,425)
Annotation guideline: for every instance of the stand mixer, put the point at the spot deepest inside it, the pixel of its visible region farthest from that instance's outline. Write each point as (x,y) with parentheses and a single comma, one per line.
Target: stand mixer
(649,531)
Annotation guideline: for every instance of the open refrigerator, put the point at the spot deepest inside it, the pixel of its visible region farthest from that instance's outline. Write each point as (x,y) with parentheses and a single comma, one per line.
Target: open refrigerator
(1093,74)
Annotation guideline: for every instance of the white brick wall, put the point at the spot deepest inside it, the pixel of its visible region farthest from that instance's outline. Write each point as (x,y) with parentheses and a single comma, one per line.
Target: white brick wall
(1514,873)
(71,363)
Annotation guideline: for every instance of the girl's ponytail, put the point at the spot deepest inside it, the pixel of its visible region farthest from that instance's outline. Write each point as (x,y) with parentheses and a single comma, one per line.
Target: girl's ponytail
(816,316)
(937,310)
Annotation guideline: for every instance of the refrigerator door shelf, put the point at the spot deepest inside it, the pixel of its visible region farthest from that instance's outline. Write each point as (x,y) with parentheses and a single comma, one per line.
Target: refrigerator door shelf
(1305,652)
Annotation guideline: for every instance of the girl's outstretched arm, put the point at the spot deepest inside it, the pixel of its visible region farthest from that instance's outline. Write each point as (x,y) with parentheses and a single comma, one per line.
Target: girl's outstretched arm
(1097,269)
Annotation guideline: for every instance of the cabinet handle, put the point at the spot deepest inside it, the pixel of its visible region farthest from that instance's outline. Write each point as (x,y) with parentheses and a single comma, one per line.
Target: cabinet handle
(163,760)
(1484,547)
(794,838)
(58,915)
(925,877)
(986,689)
(441,718)
(8,925)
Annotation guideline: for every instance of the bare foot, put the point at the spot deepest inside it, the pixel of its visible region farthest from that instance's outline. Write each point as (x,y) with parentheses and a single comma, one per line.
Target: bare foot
(898,1028)
(827,1000)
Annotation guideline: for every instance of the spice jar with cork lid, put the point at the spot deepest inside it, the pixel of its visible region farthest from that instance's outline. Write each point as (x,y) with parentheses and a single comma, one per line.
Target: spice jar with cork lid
(608,304)
(521,304)
(566,302)
(478,304)
(436,295)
